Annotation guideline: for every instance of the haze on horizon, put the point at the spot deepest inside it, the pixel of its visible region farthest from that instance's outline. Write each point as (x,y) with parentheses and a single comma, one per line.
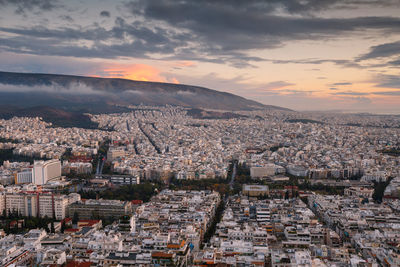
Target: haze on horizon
(299,54)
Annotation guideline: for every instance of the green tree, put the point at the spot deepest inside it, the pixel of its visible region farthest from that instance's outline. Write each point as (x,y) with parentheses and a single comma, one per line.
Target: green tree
(52,229)
(75,218)
(63,226)
(287,194)
(379,190)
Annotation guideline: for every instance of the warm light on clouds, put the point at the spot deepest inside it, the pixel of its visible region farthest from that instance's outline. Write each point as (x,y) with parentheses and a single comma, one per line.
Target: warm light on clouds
(318,54)
(137,72)
(174,80)
(185,64)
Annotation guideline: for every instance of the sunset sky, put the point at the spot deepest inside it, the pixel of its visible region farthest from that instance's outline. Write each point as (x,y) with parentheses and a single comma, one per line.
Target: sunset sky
(300,54)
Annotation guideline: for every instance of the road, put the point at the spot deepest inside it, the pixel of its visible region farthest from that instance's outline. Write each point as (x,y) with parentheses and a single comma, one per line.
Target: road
(100,165)
(233,175)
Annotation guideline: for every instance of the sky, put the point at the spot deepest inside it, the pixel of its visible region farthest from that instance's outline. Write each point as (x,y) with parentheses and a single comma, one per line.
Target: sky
(300,54)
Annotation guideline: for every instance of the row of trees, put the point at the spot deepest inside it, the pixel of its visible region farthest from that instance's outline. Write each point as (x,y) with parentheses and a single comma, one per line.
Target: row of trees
(142,192)
(7,154)
(217,184)
(11,223)
(213,226)
(8,140)
(392,151)
(243,177)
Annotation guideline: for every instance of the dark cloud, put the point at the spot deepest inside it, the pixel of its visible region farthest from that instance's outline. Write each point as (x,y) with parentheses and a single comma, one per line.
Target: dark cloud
(28,5)
(230,29)
(62,34)
(350,93)
(262,6)
(133,40)
(341,62)
(233,26)
(41,47)
(333,88)
(394,62)
(388,93)
(105,14)
(67,18)
(342,83)
(383,50)
(223,32)
(387,81)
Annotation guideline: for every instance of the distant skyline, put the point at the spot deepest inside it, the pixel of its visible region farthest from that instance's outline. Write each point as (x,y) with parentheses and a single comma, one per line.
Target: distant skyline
(299,54)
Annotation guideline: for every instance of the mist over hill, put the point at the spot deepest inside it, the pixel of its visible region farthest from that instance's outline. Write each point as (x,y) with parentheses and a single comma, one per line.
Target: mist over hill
(63,99)
(92,94)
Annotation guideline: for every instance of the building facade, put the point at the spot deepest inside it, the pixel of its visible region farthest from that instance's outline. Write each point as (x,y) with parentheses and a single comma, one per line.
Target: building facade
(97,209)
(35,204)
(41,172)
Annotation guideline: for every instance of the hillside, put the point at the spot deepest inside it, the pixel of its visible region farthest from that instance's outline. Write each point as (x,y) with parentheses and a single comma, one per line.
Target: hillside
(57,117)
(90,94)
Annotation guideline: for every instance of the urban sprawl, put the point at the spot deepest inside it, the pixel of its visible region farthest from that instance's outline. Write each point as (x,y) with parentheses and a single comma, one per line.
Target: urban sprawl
(158,186)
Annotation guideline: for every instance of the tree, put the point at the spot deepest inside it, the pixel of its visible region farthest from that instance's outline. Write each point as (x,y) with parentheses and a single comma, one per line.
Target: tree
(379,190)
(287,194)
(63,226)
(75,218)
(52,229)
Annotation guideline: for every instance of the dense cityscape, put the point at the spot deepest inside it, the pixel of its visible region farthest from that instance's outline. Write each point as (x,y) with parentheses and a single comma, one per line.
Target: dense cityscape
(159,186)
(200,133)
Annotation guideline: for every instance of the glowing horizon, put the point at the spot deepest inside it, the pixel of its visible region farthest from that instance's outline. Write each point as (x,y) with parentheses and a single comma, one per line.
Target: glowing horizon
(301,55)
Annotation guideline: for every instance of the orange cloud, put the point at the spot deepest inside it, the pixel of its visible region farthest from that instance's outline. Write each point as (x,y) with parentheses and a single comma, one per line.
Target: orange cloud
(137,72)
(174,80)
(185,64)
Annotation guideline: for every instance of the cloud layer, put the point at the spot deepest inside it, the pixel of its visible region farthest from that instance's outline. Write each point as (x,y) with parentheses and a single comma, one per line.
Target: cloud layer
(255,48)
(210,31)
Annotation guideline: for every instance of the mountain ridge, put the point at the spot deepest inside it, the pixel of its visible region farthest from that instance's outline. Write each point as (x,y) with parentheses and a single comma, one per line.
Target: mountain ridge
(67,91)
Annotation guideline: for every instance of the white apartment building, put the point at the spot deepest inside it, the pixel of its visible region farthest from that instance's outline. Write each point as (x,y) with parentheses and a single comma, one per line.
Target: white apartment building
(24,177)
(260,172)
(50,205)
(25,204)
(359,192)
(36,204)
(41,172)
(2,202)
(377,176)
(45,170)
(113,154)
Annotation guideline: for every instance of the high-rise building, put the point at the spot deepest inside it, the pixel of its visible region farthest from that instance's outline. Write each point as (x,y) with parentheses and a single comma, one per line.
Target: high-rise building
(41,172)
(45,170)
